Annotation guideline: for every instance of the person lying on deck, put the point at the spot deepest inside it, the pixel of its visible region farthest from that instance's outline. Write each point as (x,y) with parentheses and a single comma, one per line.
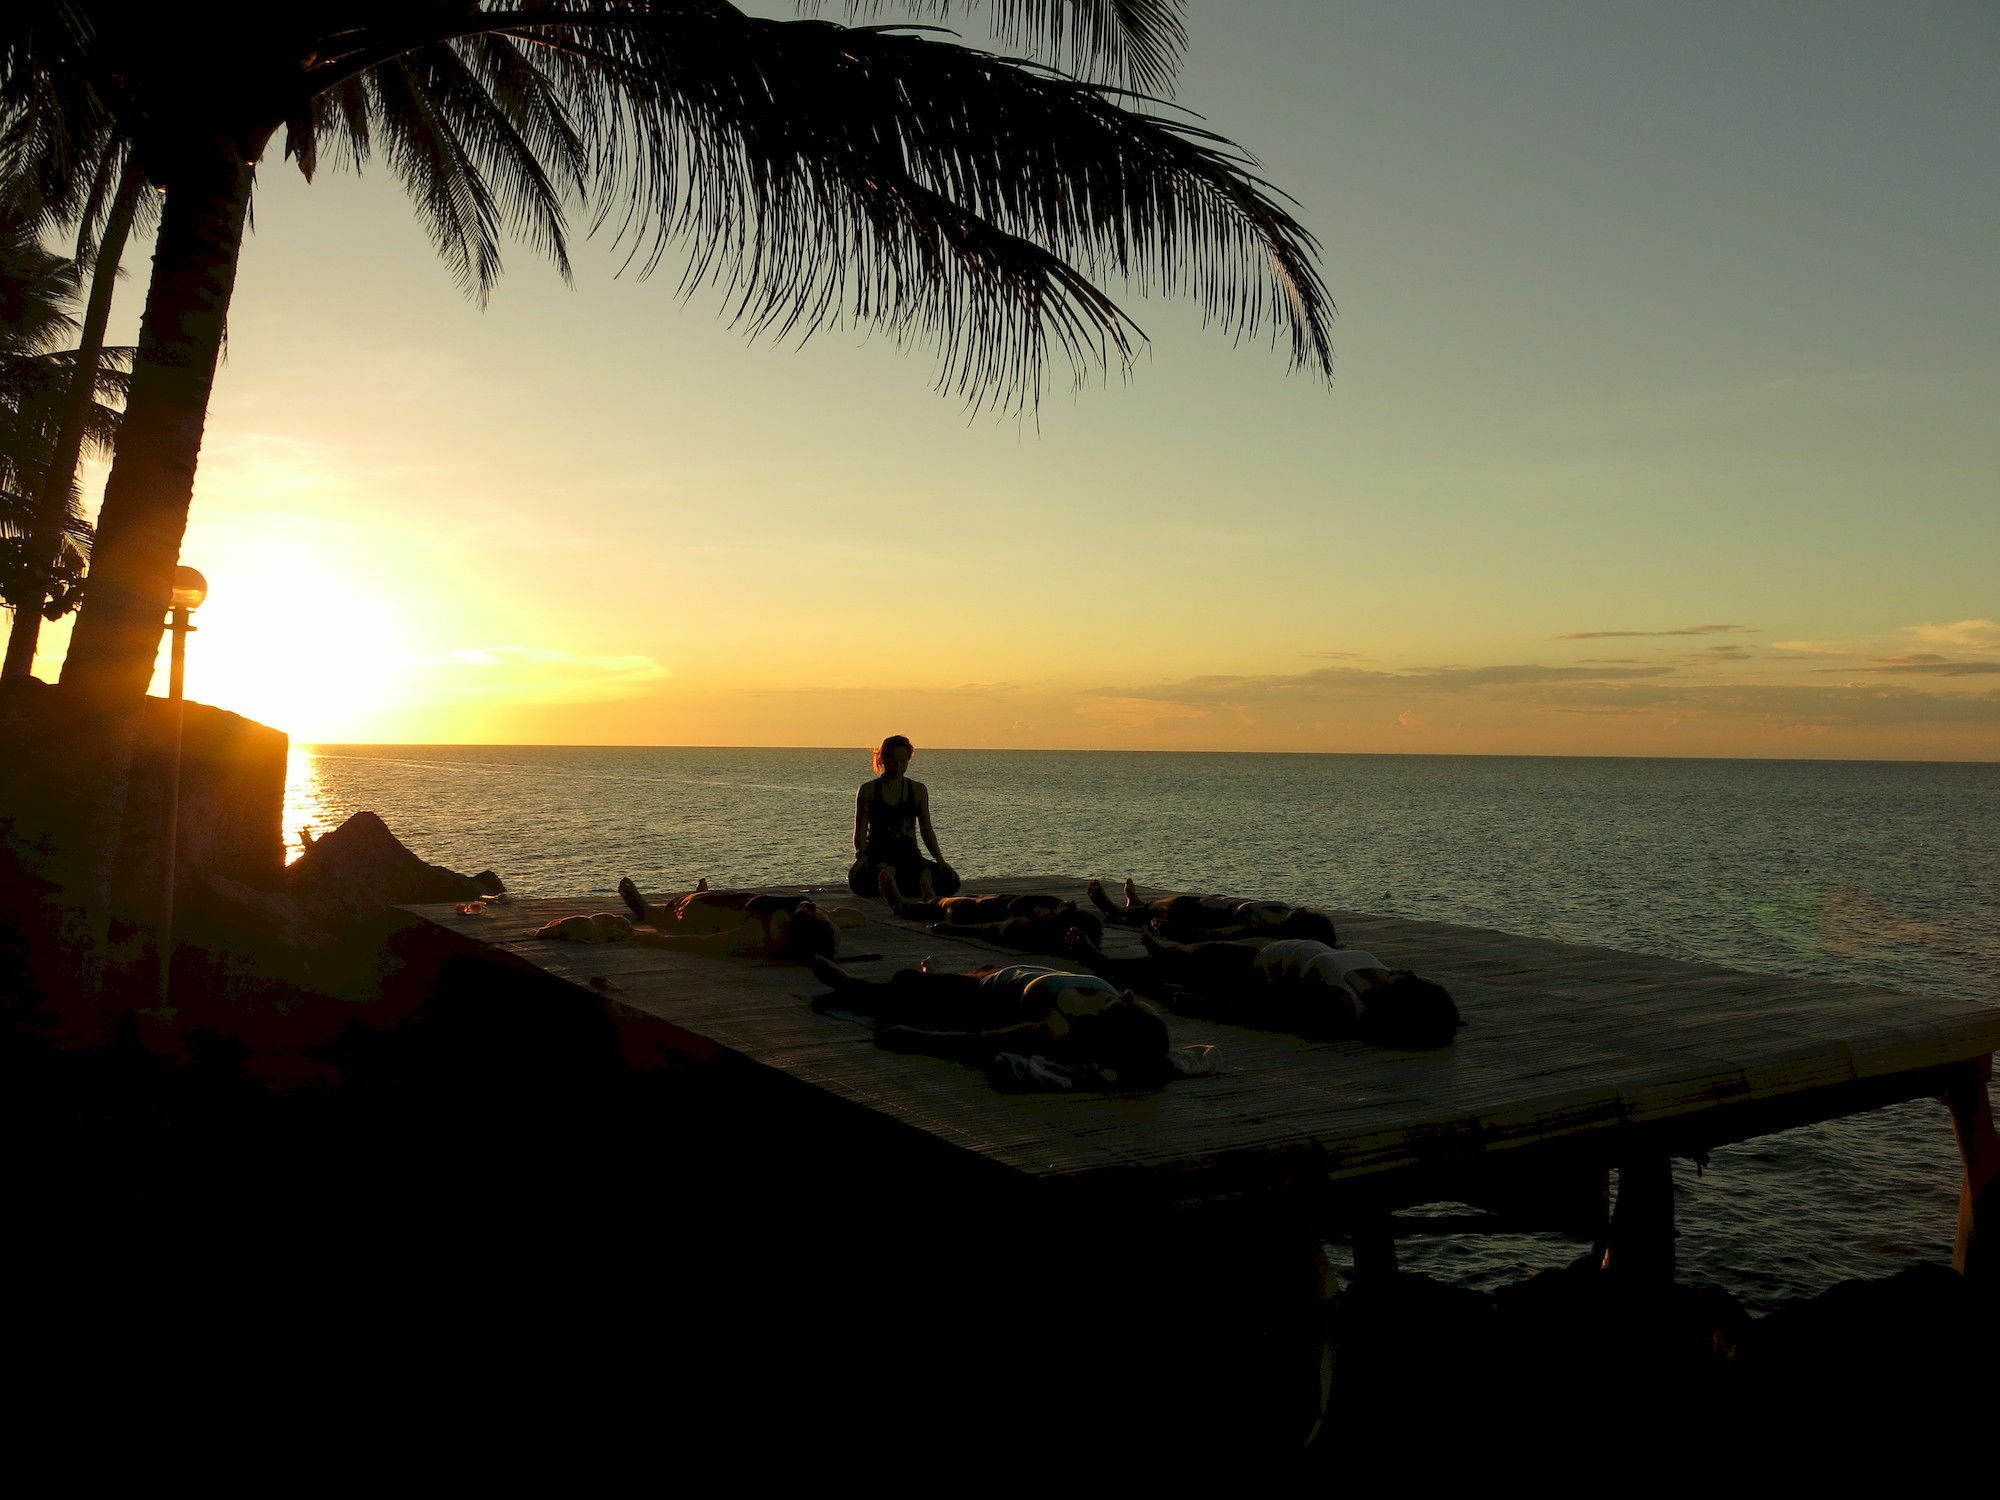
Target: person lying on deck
(1290,984)
(965,911)
(1037,931)
(787,928)
(1191,917)
(1083,1025)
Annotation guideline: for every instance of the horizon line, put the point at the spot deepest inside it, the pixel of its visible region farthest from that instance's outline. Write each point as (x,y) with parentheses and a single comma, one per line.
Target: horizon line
(1855,760)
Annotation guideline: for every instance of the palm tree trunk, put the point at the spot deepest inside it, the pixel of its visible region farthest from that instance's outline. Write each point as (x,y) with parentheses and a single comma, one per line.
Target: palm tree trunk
(146,499)
(66,753)
(59,476)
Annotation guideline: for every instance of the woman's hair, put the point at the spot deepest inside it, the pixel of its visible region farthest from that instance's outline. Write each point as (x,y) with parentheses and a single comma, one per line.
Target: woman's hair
(894,742)
(1130,1037)
(810,934)
(1306,922)
(1410,1011)
(1089,923)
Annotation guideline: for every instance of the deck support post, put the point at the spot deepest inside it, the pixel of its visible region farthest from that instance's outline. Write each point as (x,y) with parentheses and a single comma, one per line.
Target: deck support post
(1639,1242)
(1976,1255)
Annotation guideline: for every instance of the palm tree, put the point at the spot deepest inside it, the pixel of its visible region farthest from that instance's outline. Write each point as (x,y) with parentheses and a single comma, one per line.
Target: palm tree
(816,173)
(42,561)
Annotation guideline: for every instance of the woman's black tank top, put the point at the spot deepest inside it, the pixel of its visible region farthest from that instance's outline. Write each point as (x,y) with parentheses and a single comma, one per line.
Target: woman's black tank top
(891,822)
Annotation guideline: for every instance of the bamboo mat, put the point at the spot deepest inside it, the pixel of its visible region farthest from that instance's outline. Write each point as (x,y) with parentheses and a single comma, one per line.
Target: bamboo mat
(1561,1041)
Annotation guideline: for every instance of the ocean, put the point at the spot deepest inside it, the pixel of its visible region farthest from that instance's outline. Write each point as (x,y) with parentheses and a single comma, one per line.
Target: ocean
(1881,872)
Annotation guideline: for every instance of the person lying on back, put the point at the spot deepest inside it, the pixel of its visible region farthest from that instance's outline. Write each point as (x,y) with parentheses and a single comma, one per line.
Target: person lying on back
(1192,917)
(1040,930)
(1290,984)
(1079,1021)
(789,929)
(963,911)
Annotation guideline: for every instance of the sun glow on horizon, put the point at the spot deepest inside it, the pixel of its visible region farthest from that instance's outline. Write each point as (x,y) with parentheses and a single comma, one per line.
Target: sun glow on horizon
(291,643)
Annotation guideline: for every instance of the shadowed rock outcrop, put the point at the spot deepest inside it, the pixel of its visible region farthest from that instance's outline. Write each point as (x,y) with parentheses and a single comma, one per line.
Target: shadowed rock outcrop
(362,867)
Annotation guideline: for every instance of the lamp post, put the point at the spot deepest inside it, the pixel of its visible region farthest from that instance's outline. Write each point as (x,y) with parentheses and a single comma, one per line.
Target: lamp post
(190,588)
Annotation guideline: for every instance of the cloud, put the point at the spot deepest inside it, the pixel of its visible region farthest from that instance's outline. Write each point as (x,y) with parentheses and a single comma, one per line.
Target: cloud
(1332,684)
(1934,667)
(1133,712)
(1717,653)
(1612,661)
(1911,658)
(1600,635)
(1964,635)
(1504,693)
(1409,720)
(1335,655)
(537,674)
(1815,648)
(1851,705)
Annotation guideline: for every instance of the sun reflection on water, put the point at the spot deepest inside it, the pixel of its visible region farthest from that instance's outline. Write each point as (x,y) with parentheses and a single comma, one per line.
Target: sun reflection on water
(306,804)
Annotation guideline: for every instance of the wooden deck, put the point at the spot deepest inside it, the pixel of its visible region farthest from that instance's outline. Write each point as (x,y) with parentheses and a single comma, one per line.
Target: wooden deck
(1584,1054)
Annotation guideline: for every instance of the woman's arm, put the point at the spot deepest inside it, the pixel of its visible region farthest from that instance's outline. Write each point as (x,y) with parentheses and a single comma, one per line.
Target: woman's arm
(924,822)
(748,938)
(861,819)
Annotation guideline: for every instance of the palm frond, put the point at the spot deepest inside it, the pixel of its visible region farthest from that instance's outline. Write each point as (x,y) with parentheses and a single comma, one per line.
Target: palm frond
(1133,42)
(482,141)
(36,288)
(824,176)
(818,175)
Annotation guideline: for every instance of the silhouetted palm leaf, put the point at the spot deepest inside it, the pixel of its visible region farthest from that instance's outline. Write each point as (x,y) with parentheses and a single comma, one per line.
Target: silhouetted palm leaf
(1136,42)
(820,175)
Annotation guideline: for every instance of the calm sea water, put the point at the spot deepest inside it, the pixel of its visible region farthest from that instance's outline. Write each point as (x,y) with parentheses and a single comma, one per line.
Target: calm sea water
(1884,872)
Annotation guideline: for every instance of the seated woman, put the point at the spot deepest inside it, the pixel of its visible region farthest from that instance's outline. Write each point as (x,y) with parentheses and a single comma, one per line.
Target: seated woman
(957,911)
(890,814)
(1190,917)
(1291,984)
(1090,1029)
(790,929)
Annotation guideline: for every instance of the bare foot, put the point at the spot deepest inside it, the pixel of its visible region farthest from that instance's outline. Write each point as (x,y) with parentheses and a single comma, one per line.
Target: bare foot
(1131,892)
(629,894)
(701,884)
(1094,889)
(925,890)
(886,884)
(929,964)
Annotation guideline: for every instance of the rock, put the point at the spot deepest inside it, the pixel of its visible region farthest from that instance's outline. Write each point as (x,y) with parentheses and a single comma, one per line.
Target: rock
(361,867)
(1923,1319)
(1642,1340)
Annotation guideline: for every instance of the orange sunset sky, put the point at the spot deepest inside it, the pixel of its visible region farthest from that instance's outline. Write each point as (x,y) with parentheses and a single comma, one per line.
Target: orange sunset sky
(1663,425)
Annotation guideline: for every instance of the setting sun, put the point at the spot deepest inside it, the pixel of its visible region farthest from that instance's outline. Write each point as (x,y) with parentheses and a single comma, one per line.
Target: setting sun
(289,642)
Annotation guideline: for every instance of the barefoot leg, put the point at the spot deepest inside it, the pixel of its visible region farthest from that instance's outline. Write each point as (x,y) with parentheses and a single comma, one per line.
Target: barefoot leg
(629,894)
(891,892)
(1131,895)
(1095,891)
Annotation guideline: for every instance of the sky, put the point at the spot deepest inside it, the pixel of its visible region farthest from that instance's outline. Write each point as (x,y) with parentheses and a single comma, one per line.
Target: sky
(1662,424)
